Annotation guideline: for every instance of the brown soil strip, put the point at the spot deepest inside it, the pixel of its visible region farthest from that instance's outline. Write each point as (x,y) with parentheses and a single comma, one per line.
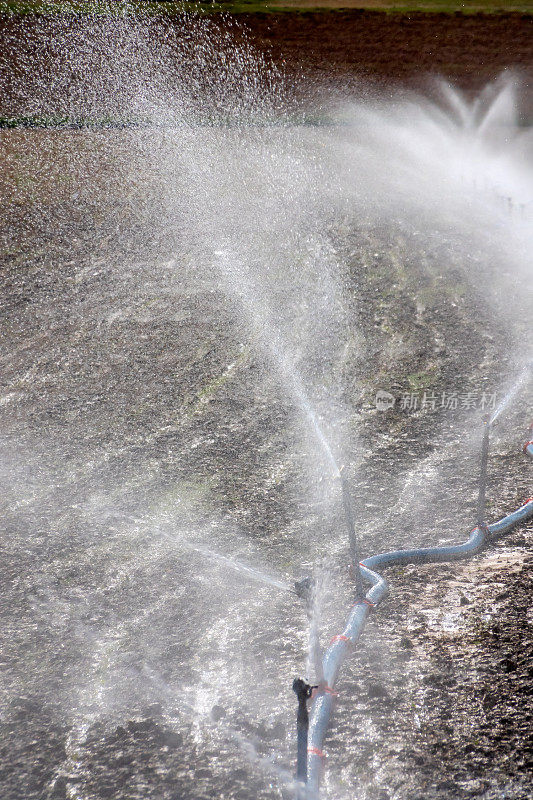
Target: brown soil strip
(339,48)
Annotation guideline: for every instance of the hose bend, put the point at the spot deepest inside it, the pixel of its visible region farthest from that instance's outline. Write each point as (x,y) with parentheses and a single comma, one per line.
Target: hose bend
(479,538)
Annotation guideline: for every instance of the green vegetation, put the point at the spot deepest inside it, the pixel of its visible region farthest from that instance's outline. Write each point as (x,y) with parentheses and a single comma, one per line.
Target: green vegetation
(68,122)
(122,7)
(425,379)
(198,404)
(208,120)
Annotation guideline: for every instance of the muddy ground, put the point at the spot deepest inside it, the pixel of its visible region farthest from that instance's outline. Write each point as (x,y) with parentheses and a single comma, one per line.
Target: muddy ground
(123,390)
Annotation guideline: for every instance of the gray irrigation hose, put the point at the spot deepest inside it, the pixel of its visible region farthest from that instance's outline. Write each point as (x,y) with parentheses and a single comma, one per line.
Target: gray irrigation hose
(334,656)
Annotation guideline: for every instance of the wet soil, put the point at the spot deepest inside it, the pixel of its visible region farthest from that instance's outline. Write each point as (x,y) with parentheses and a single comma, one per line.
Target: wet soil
(437,702)
(458,675)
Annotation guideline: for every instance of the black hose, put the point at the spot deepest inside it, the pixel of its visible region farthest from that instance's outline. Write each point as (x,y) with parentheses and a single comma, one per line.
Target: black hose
(303,693)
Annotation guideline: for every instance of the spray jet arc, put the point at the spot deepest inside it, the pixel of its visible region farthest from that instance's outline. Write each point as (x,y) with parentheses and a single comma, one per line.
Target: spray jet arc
(323,697)
(355,569)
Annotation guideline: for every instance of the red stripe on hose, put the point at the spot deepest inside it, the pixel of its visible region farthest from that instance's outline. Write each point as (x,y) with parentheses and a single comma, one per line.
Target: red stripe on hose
(527,444)
(316,752)
(340,638)
(365,602)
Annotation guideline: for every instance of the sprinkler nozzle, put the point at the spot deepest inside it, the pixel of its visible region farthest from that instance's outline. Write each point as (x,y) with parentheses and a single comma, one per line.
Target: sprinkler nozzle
(304,587)
(302,689)
(487,422)
(303,692)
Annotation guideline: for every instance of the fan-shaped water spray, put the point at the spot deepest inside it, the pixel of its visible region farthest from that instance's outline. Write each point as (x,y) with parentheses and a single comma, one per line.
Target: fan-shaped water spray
(205,298)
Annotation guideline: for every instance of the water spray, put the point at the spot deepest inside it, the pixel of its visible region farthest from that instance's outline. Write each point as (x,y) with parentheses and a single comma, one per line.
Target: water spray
(355,568)
(134,76)
(528,447)
(481,501)
(480,537)
(523,377)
